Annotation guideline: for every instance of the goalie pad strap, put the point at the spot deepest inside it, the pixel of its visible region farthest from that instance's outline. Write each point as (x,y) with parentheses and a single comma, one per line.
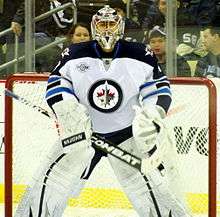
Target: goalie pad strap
(152,150)
(150,153)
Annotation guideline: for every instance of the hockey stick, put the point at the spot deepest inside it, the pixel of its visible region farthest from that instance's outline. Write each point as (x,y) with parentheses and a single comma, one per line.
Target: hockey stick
(100,143)
(28,103)
(97,141)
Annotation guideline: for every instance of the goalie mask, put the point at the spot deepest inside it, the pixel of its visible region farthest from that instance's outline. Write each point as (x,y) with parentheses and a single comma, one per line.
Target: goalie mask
(107,28)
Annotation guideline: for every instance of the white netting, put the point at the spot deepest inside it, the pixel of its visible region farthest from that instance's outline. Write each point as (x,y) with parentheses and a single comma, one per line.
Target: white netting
(188,123)
(33,133)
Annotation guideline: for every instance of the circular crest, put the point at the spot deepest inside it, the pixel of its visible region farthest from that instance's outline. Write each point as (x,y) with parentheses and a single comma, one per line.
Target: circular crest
(105,96)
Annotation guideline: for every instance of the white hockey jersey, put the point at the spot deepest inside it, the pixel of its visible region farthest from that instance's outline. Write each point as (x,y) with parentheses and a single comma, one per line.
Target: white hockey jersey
(109,92)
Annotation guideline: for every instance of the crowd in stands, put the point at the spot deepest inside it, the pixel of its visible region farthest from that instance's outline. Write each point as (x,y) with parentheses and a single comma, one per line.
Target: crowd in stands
(198,34)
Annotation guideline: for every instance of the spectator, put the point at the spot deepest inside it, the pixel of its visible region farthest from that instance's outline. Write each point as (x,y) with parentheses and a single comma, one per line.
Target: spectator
(217,17)
(79,32)
(120,8)
(86,9)
(209,65)
(61,21)
(154,15)
(132,29)
(46,30)
(157,42)
(201,12)
(192,15)
(7,11)
(141,8)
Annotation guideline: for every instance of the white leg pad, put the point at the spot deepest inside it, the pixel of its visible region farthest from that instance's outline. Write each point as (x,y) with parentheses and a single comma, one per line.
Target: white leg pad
(136,188)
(53,183)
(77,189)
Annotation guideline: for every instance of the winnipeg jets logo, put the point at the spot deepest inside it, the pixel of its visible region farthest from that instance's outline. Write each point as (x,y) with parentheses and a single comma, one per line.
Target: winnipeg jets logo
(105,96)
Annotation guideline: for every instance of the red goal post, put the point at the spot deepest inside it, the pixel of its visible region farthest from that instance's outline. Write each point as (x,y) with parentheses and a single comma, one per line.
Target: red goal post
(19,79)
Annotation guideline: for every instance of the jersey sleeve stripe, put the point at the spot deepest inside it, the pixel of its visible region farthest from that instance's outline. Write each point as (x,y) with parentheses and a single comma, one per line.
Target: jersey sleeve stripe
(53,79)
(163,84)
(157,81)
(54,84)
(50,93)
(158,92)
(151,88)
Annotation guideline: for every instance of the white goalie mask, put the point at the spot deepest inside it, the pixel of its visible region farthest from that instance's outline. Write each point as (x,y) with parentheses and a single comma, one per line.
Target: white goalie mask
(107,28)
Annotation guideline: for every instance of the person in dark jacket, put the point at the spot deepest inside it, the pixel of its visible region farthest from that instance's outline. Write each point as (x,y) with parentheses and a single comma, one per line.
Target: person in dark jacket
(54,25)
(7,11)
(46,31)
(209,65)
(157,42)
(132,29)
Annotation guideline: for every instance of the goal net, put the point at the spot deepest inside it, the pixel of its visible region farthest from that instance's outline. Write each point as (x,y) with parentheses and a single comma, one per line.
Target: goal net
(192,123)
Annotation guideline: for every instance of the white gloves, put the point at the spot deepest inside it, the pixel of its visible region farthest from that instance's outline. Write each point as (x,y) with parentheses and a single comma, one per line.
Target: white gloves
(74,123)
(150,136)
(146,126)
